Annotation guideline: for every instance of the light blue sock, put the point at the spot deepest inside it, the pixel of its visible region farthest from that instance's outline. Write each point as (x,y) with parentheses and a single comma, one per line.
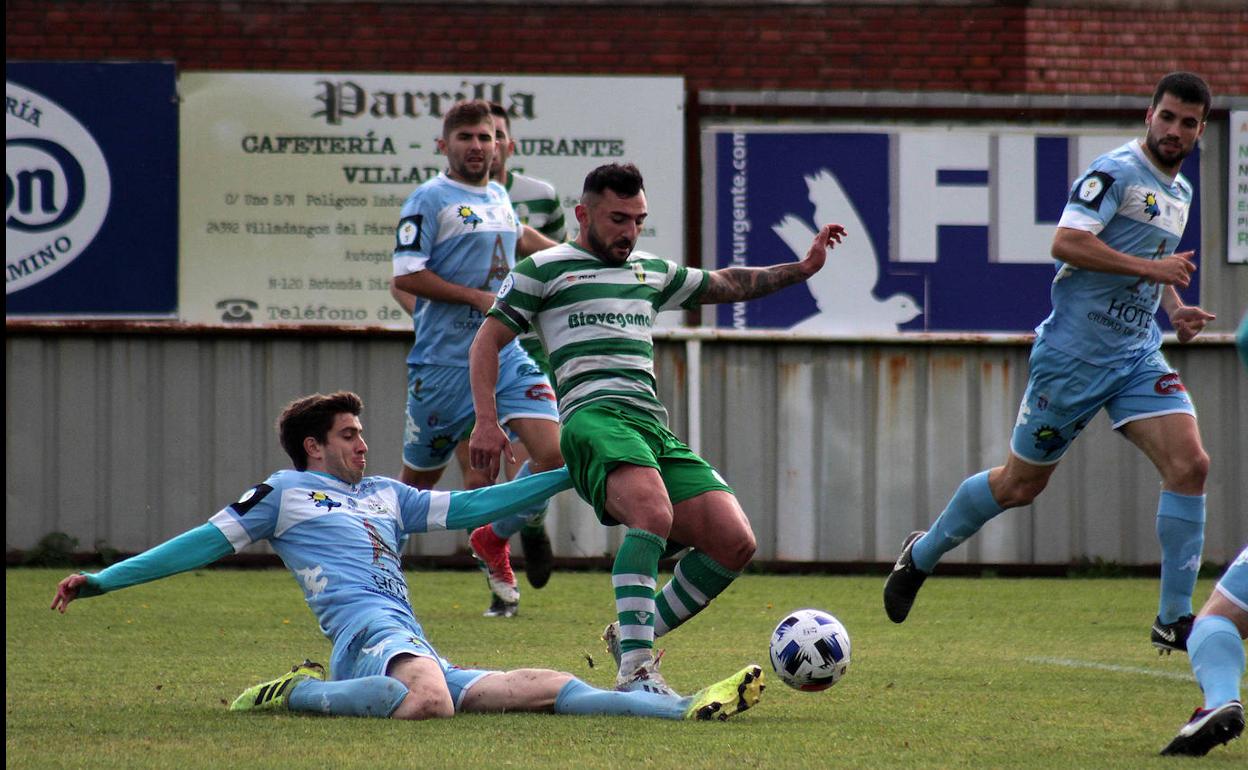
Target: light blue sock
(368,696)
(576,697)
(971,508)
(509,526)
(1181,530)
(1217,656)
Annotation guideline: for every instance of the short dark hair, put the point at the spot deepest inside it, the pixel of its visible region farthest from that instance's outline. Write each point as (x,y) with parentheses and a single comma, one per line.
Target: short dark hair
(499,111)
(623,179)
(1188,87)
(465,113)
(313,416)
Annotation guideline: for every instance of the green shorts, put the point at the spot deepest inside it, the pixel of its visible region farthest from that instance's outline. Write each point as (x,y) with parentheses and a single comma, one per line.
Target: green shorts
(599,436)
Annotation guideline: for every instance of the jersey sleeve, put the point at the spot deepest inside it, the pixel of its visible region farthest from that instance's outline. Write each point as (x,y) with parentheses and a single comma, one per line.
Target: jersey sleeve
(190,550)
(1094,199)
(415,234)
(253,517)
(422,510)
(519,298)
(684,286)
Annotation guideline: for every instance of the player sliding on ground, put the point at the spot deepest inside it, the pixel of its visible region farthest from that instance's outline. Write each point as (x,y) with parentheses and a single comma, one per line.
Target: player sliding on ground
(340,533)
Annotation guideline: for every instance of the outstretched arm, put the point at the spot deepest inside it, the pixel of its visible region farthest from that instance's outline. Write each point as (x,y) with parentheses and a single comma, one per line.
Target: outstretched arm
(190,550)
(472,508)
(737,284)
(1082,249)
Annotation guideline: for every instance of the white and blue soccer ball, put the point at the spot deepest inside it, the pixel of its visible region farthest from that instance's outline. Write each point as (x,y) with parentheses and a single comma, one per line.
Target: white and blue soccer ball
(810,650)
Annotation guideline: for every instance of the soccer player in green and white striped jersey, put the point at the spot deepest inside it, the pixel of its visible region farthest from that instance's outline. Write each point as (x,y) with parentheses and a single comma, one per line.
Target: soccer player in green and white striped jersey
(593,302)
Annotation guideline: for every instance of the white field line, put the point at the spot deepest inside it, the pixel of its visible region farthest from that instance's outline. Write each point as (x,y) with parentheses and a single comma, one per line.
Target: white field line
(1071,663)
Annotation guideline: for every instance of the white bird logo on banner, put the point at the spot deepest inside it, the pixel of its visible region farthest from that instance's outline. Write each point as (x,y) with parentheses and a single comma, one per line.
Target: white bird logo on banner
(842,289)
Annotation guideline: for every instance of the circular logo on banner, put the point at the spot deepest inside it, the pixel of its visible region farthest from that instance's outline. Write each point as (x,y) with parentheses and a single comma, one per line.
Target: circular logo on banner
(56,188)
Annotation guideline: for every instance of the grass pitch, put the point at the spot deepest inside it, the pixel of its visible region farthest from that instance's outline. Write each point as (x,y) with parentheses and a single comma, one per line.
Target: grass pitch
(986,673)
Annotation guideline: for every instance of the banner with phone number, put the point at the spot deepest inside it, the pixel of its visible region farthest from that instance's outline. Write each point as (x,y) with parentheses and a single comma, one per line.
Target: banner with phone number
(292,183)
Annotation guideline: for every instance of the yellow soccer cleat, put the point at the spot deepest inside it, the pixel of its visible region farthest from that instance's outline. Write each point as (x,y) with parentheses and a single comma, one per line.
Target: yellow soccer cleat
(271,695)
(733,695)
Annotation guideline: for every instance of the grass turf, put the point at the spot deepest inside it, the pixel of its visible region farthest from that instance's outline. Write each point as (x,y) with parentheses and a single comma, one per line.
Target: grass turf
(986,673)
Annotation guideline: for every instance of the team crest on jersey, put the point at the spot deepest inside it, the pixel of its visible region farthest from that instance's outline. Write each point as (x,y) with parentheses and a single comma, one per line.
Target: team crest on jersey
(468,216)
(639,270)
(250,498)
(1092,189)
(1150,205)
(323,500)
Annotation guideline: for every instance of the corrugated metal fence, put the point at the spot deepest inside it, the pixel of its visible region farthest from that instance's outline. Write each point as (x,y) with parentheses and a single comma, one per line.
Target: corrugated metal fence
(836,449)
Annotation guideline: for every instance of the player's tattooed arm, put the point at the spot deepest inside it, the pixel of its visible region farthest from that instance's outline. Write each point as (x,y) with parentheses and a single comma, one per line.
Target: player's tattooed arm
(737,284)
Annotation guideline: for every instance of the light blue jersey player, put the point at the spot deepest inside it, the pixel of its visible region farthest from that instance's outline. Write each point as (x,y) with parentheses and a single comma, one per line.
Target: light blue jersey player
(455,243)
(340,534)
(1216,651)
(1100,349)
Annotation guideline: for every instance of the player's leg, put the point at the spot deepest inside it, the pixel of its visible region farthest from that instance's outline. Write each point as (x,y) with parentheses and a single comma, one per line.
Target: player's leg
(543,438)
(1216,651)
(427,694)
(636,498)
(526,408)
(434,410)
(1155,413)
(612,457)
(1061,398)
(544,690)
(723,544)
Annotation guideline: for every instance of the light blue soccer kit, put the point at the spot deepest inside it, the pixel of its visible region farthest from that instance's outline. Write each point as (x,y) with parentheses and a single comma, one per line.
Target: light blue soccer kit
(1214,647)
(1099,348)
(341,542)
(465,235)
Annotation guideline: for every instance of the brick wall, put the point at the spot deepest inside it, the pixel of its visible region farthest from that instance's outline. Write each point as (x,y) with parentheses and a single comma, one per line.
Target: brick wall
(1012,47)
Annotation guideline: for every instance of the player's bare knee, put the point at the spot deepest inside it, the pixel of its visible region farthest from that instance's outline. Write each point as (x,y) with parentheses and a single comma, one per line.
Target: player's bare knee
(1019,492)
(1187,474)
(424,705)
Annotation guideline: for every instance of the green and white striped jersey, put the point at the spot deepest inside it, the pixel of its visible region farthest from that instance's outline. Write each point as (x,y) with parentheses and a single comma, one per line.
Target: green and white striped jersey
(537,205)
(595,320)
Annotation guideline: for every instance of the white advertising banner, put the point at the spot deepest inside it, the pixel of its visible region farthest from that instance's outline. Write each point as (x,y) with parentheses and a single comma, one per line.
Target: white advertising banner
(291,184)
(1237,211)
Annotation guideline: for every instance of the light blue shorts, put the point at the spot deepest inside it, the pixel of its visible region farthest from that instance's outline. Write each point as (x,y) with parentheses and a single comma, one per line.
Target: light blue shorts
(439,405)
(369,651)
(1234,582)
(1064,394)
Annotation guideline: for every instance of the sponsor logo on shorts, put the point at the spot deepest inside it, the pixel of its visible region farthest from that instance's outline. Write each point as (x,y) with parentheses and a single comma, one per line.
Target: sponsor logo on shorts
(1048,439)
(1169,383)
(540,393)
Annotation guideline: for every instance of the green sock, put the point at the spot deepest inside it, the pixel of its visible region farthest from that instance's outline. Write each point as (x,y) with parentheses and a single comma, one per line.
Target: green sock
(698,579)
(634,576)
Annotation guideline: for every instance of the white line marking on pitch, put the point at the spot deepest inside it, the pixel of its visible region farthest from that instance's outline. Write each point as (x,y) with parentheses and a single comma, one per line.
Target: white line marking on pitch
(1069,663)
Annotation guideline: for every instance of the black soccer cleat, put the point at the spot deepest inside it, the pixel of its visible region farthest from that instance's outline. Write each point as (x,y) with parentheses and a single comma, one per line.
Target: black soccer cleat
(538,556)
(1206,729)
(1171,637)
(904,582)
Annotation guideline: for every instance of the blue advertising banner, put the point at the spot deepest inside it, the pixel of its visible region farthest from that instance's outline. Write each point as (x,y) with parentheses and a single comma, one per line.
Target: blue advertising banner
(91,209)
(949,229)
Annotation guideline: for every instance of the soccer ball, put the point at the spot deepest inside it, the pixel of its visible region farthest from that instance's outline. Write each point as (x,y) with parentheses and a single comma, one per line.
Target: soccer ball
(810,650)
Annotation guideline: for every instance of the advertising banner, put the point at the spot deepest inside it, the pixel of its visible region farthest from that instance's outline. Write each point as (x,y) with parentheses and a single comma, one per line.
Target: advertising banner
(90,189)
(949,228)
(1237,213)
(291,184)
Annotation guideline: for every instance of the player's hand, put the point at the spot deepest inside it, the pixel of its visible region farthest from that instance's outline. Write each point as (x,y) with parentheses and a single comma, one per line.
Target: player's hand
(1188,321)
(827,238)
(67,591)
(487,443)
(1175,270)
